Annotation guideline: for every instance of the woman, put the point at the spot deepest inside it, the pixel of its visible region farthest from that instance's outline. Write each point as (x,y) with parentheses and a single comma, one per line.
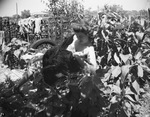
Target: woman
(75,54)
(82,47)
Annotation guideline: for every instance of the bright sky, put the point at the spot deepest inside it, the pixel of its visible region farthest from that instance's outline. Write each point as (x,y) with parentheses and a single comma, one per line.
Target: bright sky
(126,4)
(8,7)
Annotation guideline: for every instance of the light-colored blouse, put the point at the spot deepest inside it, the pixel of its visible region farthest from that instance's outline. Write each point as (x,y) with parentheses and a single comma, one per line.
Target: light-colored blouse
(86,52)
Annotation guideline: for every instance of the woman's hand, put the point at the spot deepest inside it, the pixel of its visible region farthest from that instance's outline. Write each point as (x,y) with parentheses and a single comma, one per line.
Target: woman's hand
(80,60)
(78,54)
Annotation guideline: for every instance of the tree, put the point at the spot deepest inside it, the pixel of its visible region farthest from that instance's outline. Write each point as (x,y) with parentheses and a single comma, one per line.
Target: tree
(16,16)
(62,13)
(143,14)
(25,14)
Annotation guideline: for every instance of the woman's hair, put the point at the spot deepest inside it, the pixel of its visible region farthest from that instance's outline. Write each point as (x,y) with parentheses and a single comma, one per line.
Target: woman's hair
(80,27)
(83,27)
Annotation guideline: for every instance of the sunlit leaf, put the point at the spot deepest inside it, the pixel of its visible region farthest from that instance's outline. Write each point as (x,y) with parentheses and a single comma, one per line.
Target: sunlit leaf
(33,90)
(128,91)
(116,71)
(106,77)
(109,56)
(146,68)
(142,90)
(136,86)
(114,99)
(116,89)
(17,53)
(132,100)
(138,55)
(146,52)
(127,107)
(116,58)
(125,58)
(106,90)
(124,71)
(139,35)
(140,71)
(27,57)
(129,97)
(118,83)
(137,97)
(143,61)
(127,104)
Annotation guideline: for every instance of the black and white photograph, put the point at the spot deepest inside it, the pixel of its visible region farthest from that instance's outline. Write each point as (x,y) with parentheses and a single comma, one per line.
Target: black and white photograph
(74,58)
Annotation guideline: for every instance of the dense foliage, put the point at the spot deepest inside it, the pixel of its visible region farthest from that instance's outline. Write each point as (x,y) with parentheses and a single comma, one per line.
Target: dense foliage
(114,91)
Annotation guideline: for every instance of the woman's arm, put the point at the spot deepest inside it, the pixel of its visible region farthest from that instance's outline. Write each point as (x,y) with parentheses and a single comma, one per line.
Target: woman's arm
(91,59)
(71,47)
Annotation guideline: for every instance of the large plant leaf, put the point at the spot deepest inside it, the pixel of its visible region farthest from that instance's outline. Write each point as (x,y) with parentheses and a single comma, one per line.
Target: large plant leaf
(127,108)
(116,71)
(128,91)
(138,55)
(136,87)
(117,58)
(140,71)
(109,56)
(118,82)
(125,58)
(146,52)
(124,71)
(116,89)
(130,98)
(106,77)
(145,68)
(114,99)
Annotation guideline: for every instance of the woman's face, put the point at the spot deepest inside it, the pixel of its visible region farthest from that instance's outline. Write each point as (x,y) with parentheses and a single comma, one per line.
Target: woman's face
(83,38)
